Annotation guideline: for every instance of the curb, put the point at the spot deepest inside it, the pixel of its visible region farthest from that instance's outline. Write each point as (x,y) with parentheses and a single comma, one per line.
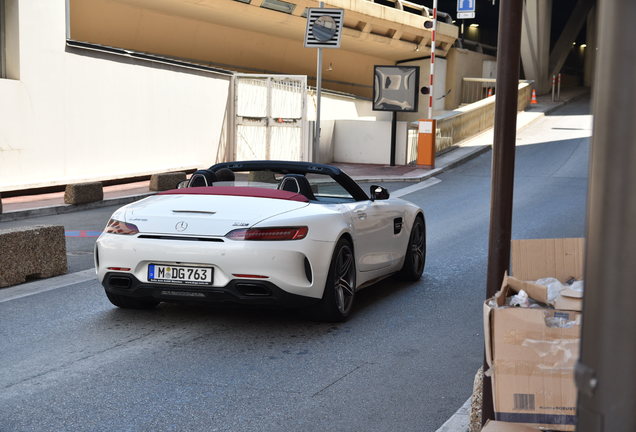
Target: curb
(46,284)
(69,208)
(459,421)
(436,171)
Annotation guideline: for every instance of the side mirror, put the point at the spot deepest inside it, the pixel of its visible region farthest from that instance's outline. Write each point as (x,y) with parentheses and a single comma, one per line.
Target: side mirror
(379,193)
(183,184)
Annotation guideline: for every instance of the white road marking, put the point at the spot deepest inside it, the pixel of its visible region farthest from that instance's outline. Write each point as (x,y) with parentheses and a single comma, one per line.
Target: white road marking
(43,285)
(415,187)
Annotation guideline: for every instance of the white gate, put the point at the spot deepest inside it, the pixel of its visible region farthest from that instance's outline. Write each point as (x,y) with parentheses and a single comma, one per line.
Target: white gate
(271,117)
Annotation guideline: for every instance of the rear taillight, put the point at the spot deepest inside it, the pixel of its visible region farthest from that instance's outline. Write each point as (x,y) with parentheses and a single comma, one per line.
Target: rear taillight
(277,233)
(118,227)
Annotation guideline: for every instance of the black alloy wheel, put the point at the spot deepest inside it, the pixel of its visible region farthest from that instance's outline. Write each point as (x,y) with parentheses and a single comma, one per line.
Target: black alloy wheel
(415,258)
(337,299)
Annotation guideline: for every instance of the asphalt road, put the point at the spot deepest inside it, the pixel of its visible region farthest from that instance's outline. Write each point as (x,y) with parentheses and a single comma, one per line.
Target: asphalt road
(405,361)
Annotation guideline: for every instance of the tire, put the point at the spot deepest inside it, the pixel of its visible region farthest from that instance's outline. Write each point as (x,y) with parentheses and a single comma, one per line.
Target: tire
(337,299)
(126,302)
(415,257)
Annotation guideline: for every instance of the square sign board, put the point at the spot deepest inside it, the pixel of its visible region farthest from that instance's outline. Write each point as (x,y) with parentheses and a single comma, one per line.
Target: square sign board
(465,9)
(395,88)
(324,28)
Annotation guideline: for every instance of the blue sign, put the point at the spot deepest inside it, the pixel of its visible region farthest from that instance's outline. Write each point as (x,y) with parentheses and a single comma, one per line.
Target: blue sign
(465,9)
(465,5)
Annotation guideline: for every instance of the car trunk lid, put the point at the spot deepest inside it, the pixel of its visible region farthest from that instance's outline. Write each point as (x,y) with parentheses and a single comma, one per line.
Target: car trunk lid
(204,215)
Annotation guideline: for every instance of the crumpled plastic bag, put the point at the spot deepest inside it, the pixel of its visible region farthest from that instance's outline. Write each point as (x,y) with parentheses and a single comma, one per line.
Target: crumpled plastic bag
(520,299)
(554,288)
(577,286)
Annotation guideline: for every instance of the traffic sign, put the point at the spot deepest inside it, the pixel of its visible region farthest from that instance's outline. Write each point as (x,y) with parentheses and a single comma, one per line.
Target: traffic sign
(324,28)
(465,9)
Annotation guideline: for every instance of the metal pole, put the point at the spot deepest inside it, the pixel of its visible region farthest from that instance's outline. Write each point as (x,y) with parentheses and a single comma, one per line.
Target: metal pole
(559,87)
(430,97)
(503,159)
(318,90)
(393,134)
(605,374)
(553,86)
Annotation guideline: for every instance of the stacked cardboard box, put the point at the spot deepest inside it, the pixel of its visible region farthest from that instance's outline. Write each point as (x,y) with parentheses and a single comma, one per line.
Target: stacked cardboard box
(496,426)
(532,351)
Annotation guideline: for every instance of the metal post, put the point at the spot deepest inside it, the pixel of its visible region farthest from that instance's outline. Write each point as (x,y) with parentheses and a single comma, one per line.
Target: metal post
(503,159)
(559,87)
(553,86)
(433,31)
(318,90)
(605,374)
(393,134)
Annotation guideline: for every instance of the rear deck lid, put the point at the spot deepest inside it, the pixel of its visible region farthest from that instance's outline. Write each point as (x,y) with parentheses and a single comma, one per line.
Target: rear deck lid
(209,214)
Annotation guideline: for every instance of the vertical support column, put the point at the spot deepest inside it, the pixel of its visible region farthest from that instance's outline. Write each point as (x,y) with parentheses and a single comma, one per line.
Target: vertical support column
(535,42)
(605,374)
(503,159)
(590,50)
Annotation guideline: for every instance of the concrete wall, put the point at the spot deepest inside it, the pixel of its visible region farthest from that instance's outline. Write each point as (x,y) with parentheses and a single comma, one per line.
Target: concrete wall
(357,141)
(471,119)
(343,121)
(78,116)
(462,63)
(439,85)
(343,107)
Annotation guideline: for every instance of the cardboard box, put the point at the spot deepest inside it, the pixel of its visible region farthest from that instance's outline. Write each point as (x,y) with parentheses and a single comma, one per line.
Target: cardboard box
(532,351)
(537,259)
(497,426)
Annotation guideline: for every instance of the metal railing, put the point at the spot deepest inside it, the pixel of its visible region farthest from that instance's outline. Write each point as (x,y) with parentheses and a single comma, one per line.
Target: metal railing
(423,10)
(475,89)
(466,121)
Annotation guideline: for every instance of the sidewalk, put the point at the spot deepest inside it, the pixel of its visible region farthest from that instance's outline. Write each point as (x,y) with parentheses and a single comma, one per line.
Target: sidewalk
(26,206)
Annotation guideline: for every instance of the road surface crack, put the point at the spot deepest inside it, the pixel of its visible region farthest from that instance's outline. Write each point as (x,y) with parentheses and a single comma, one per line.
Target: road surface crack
(338,380)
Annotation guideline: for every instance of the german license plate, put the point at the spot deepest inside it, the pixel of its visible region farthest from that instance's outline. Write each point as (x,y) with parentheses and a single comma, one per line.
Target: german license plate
(181,275)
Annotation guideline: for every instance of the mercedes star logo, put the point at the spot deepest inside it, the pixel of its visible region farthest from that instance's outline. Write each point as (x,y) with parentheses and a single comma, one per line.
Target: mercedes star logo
(181,226)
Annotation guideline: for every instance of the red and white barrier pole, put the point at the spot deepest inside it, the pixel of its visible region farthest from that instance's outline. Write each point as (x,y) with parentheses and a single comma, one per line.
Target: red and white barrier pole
(433,31)
(559,87)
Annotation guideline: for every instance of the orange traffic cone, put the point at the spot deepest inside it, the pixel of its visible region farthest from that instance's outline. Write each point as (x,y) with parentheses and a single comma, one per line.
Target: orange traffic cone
(489,91)
(534,97)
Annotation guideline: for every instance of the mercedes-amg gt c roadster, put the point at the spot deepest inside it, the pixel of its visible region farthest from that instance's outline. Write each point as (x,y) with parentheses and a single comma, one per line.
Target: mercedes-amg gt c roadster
(260,232)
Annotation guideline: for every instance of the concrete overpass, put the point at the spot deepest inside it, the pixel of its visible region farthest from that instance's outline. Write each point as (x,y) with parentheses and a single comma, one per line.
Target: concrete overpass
(261,36)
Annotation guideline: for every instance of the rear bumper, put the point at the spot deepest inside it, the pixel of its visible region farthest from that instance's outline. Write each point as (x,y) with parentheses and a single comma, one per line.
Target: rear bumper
(283,264)
(240,291)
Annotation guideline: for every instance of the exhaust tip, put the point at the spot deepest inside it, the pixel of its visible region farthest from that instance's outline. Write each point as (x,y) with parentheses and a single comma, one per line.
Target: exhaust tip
(253,290)
(119,282)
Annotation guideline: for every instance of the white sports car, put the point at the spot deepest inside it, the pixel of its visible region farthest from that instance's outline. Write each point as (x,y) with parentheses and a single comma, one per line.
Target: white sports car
(260,232)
